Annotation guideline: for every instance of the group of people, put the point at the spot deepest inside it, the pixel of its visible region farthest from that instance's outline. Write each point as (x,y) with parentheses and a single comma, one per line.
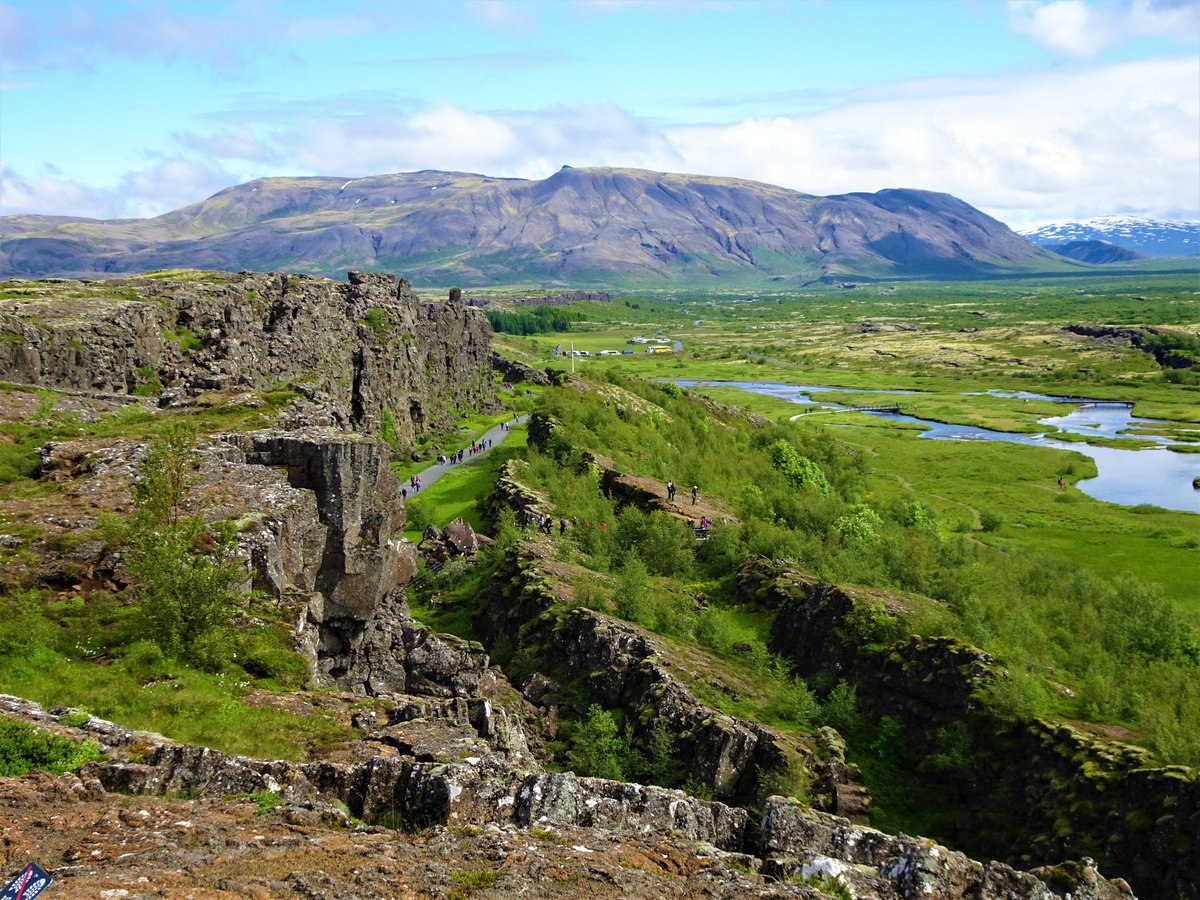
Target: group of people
(544,524)
(671,492)
(459,455)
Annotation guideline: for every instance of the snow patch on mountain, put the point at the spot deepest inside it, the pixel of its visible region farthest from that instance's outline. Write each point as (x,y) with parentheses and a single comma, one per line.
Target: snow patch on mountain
(1152,237)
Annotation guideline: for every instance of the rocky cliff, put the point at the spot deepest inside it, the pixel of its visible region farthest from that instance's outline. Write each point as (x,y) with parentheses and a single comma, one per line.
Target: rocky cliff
(370,353)
(406,818)
(1078,793)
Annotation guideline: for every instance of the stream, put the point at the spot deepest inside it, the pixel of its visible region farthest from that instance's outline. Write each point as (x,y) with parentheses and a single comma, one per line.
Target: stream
(1153,475)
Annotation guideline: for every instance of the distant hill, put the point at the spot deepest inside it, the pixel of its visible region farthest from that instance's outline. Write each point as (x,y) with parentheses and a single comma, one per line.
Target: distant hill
(1149,237)
(579,226)
(1097,253)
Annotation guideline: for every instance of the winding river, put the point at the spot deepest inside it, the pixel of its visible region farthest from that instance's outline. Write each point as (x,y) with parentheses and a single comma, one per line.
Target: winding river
(1152,475)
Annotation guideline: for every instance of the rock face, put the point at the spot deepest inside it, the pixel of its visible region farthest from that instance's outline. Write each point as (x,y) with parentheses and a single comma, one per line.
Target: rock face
(515,370)
(510,493)
(442,768)
(369,351)
(348,568)
(565,799)
(358,502)
(624,667)
(802,843)
(1077,793)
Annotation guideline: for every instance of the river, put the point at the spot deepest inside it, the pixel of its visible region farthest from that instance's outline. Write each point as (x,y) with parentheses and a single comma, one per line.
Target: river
(1152,475)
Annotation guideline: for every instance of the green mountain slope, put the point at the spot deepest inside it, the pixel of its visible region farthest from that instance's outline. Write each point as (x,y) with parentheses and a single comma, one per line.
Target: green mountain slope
(579,226)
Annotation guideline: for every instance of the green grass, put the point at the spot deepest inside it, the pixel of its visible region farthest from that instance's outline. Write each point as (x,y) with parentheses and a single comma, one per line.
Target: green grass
(188,706)
(24,747)
(459,491)
(1019,483)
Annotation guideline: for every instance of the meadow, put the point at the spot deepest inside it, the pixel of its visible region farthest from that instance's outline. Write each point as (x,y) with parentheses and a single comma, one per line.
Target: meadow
(949,342)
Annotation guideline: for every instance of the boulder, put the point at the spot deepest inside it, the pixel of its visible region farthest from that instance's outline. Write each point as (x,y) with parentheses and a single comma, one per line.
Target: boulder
(461,538)
(564,799)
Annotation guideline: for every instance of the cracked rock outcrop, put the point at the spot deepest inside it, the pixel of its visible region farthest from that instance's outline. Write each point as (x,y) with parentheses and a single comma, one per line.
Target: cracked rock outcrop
(365,351)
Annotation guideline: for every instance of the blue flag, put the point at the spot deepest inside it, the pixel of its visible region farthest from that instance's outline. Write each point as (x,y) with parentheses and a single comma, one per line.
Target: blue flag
(30,882)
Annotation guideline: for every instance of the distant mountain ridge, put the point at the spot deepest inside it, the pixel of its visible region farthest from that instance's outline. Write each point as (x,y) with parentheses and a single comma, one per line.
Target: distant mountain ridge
(1097,253)
(1149,237)
(594,225)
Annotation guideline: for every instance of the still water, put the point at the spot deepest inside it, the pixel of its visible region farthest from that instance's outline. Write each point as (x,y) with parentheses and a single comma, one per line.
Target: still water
(1154,475)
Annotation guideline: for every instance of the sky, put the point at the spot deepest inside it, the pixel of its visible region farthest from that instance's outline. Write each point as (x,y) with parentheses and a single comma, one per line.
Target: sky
(1034,111)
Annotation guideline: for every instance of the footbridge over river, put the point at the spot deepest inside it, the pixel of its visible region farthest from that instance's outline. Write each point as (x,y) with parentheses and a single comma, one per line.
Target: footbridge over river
(1094,401)
(871,407)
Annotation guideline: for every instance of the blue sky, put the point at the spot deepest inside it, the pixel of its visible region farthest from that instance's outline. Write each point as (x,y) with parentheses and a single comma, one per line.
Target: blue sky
(1033,110)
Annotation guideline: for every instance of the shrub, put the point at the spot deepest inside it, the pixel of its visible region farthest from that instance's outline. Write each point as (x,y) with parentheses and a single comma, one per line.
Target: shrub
(632,595)
(799,471)
(187,575)
(263,658)
(376,318)
(24,748)
(597,747)
(840,709)
(145,662)
(387,429)
(661,766)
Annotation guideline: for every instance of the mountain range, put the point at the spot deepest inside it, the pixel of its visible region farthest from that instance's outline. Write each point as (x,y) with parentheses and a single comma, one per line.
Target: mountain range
(1148,237)
(579,226)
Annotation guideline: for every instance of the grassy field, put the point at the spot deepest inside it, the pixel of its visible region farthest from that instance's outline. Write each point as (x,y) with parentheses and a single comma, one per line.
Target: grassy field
(948,342)
(457,493)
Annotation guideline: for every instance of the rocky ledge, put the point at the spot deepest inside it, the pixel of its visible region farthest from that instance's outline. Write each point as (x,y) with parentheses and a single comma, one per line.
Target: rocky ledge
(392,823)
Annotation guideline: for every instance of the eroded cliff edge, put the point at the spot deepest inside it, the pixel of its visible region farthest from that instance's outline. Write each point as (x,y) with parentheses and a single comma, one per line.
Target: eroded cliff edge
(365,351)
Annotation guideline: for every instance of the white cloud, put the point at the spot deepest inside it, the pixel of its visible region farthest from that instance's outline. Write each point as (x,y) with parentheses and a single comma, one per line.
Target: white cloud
(46,195)
(1081,29)
(1067,26)
(444,137)
(235,143)
(504,16)
(166,185)
(1026,150)
(79,36)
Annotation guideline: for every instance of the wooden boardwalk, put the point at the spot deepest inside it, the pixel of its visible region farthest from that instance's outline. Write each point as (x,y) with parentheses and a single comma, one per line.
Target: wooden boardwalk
(874,407)
(1094,401)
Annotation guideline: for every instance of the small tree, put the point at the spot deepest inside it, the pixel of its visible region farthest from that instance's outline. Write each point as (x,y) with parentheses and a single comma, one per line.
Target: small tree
(163,478)
(186,573)
(661,766)
(597,747)
(632,595)
(800,471)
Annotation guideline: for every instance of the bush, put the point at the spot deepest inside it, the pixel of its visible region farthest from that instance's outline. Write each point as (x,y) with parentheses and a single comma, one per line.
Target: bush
(632,595)
(989,520)
(597,748)
(799,471)
(24,748)
(264,658)
(23,624)
(186,573)
(145,662)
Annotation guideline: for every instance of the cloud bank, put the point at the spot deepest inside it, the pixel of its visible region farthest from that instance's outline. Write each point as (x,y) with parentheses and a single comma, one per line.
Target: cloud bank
(1027,150)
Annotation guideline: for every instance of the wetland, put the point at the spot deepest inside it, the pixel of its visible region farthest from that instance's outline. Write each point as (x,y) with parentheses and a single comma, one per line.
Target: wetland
(1129,475)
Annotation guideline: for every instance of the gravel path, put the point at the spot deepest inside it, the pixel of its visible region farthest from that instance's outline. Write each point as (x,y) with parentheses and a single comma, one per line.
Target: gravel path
(495,435)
